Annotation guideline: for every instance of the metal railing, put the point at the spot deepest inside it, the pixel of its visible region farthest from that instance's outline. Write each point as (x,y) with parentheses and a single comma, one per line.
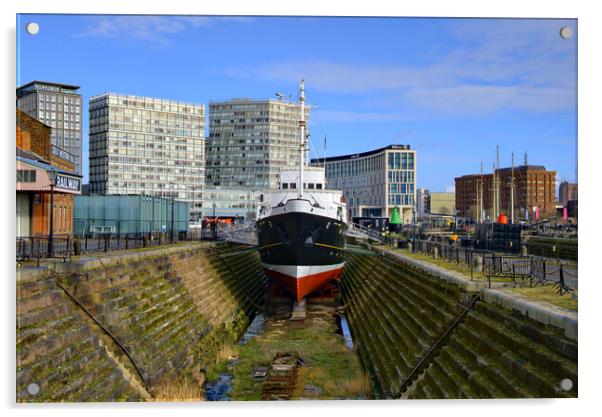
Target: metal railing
(66,246)
(530,269)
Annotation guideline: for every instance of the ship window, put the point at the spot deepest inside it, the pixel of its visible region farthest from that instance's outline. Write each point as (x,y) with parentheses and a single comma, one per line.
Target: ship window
(318,186)
(310,185)
(284,186)
(293,185)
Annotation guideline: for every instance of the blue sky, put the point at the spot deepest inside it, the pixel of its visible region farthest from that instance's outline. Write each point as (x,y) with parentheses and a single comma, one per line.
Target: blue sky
(451,88)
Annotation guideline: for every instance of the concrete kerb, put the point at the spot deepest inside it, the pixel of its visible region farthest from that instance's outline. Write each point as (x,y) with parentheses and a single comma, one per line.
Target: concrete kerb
(86,263)
(547,314)
(544,313)
(439,272)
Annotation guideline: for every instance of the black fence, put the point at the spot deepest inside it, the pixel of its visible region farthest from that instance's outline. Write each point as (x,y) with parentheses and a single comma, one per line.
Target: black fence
(531,270)
(66,246)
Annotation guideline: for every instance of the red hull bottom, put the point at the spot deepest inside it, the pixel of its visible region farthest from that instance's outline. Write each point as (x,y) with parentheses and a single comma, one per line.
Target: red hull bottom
(303,286)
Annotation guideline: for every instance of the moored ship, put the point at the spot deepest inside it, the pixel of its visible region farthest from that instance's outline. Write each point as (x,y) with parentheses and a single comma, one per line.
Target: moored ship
(301,227)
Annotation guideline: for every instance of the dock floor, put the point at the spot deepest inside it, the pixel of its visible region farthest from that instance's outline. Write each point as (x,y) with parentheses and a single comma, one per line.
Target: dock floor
(329,369)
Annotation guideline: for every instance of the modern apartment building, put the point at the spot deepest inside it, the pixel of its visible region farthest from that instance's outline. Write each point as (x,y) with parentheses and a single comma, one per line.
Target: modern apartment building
(376,181)
(60,107)
(251,141)
(145,145)
(534,190)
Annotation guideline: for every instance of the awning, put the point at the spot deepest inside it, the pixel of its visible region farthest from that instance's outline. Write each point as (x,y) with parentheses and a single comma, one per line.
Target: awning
(66,182)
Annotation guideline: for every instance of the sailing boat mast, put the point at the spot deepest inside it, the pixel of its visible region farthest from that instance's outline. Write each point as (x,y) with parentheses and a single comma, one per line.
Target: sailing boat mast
(512,191)
(302,141)
(481,195)
(498,202)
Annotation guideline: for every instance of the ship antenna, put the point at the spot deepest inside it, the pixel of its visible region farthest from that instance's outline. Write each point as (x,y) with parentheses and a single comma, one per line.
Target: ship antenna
(302,133)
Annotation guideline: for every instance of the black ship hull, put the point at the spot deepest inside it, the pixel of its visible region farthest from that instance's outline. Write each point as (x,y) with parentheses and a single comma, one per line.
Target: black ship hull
(301,252)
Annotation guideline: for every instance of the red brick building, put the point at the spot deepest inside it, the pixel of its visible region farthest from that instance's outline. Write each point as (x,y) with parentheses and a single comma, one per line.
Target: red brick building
(534,187)
(35,156)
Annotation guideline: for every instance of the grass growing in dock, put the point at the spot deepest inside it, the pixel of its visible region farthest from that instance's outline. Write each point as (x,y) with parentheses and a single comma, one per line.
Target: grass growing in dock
(548,294)
(179,390)
(330,369)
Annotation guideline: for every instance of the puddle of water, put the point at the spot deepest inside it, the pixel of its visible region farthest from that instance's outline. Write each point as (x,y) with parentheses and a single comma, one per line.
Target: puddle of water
(346,332)
(219,390)
(255,328)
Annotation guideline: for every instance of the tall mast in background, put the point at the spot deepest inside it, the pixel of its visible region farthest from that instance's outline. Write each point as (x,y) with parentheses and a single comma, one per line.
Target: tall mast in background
(512,191)
(302,141)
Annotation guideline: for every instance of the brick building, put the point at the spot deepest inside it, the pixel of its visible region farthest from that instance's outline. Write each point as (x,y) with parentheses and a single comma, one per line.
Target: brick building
(534,187)
(567,192)
(35,155)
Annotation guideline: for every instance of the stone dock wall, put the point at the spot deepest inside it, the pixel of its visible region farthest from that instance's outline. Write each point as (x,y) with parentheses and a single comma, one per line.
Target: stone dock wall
(118,328)
(419,339)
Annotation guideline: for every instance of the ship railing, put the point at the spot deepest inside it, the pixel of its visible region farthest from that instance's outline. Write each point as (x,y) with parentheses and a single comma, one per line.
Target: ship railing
(361,232)
(245,233)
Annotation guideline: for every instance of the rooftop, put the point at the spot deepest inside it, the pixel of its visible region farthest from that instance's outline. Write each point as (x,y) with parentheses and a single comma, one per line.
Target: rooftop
(361,155)
(68,86)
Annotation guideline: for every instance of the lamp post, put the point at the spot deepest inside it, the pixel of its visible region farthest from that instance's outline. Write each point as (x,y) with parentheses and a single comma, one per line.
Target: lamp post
(52,174)
(173,197)
(214,224)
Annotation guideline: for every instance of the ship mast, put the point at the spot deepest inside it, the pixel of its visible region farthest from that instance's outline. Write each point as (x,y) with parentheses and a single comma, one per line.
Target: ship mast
(302,141)
(512,191)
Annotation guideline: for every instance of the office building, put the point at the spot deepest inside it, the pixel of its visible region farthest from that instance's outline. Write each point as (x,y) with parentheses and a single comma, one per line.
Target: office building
(534,193)
(60,107)
(251,141)
(231,203)
(150,146)
(374,182)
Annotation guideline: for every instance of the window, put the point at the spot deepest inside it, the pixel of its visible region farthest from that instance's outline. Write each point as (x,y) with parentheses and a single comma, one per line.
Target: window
(285,186)
(26,175)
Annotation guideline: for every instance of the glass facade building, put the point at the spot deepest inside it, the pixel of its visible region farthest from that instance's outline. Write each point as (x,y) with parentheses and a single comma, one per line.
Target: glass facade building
(251,141)
(151,146)
(60,107)
(374,182)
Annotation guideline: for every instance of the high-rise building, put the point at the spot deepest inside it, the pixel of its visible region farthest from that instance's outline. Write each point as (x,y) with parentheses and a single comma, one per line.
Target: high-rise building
(534,188)
(60,107)
(374,182)
(251,141)
(151,146)
(567,192)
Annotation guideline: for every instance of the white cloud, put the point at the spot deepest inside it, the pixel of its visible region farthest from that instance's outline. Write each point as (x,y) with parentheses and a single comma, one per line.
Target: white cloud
(486,99)
(152,30)
(354,116)
(494,65)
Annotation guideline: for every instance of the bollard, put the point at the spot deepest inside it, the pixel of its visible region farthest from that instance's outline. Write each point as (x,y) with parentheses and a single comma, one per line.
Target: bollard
(477,263)
(435,252)
(77,247)
(523,250)
(162,238)
(410,246)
